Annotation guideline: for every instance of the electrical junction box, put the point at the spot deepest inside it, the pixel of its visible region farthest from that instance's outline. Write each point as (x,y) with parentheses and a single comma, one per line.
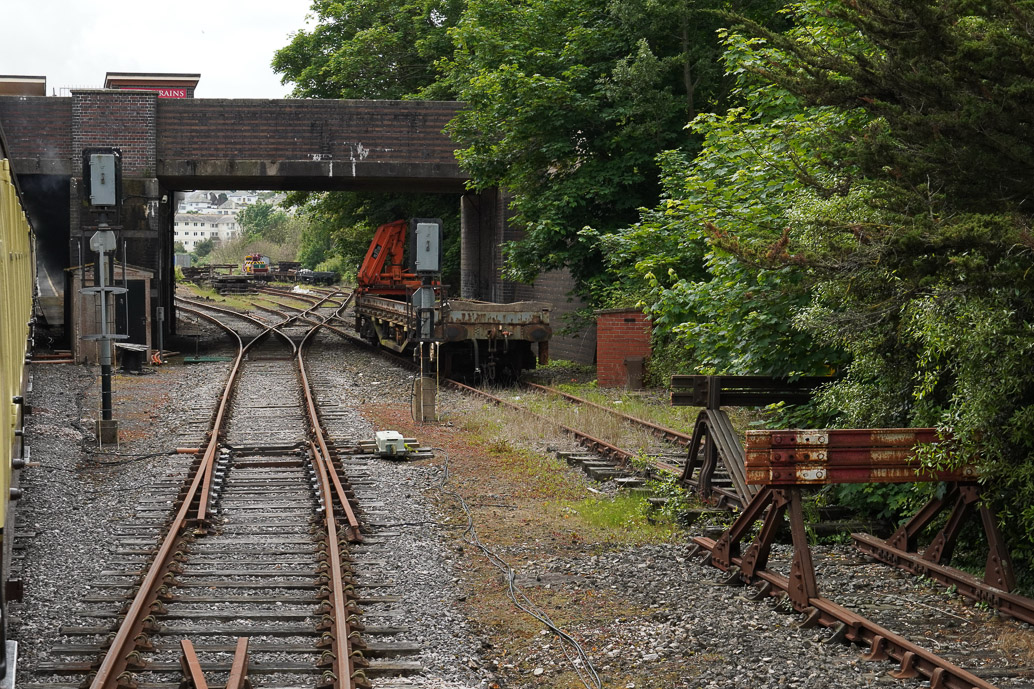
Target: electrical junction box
(423,308)
(425,245)
(104,179)
(389,443)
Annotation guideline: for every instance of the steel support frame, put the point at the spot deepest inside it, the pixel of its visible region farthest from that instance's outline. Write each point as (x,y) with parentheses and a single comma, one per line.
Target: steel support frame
(801,589)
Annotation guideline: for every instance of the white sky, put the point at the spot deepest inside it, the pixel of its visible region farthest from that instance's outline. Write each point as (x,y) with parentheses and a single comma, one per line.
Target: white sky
(76,42)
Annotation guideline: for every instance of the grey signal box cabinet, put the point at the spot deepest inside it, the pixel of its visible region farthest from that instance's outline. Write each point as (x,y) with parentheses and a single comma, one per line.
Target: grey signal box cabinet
(425,245)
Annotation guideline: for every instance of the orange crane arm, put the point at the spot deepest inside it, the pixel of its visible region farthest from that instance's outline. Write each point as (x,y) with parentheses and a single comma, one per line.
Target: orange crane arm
(383,263)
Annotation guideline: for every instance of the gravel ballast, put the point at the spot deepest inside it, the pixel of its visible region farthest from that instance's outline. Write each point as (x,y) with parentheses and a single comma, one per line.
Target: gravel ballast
(677,625)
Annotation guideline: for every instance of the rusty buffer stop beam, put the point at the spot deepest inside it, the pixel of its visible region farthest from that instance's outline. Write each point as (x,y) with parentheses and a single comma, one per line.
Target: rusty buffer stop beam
(828,456)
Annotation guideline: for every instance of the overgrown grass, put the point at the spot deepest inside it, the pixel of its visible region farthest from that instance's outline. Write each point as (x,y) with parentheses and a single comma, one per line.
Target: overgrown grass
(595,422)
(651,405)
(522,448)
(626,517)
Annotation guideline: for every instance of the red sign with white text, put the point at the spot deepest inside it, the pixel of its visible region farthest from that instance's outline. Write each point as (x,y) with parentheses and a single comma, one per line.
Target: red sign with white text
(162,93)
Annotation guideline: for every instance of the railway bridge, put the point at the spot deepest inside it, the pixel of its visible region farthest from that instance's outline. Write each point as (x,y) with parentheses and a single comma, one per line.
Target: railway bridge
(176,144)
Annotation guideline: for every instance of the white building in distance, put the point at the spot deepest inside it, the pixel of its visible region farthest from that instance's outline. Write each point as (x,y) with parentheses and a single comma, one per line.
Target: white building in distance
(191,228)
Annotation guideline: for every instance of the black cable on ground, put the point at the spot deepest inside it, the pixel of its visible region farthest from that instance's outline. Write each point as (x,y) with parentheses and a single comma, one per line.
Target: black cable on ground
(587,675)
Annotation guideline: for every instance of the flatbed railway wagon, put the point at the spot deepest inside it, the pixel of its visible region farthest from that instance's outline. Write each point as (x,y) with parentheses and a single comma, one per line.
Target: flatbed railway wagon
(17,288)
(476,340)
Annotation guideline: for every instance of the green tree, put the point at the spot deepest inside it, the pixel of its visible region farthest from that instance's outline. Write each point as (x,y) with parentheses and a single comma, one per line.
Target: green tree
(385,49)
(369,49)
(710,262)
(204,247)
(341,226)
(263,220)
(913,229)
(568,105)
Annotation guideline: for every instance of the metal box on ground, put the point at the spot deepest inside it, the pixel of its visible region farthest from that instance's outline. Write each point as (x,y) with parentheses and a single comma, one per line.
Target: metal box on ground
(390,442)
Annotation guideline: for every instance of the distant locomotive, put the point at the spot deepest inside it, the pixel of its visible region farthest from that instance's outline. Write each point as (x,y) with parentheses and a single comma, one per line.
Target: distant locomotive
(476,340)
(17,280)
(255,264)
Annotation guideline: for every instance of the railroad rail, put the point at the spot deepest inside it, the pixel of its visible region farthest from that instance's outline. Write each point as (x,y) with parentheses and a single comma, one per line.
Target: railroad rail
(800,587)
(714,442)
(232,501)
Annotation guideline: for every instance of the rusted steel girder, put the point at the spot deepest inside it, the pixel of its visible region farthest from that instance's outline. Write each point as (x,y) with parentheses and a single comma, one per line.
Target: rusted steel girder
(715,438)
(786,461)
(900,550)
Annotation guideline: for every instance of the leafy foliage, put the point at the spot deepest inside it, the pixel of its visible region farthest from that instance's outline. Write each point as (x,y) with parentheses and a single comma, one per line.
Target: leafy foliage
(369,49)
(920,260)
(710,264)
(262,220)
(384,49)
(341,226)
(568,105)
(204,247)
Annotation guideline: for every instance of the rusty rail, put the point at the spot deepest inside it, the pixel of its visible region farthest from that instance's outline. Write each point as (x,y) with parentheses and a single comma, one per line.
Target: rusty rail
(343,667)
(662,432)
(131,637)
(138,620)
(596,445)
(883,643)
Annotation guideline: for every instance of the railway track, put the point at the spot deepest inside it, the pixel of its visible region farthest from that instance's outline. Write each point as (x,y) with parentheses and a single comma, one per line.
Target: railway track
(252,573)
(266,480)
(847,625)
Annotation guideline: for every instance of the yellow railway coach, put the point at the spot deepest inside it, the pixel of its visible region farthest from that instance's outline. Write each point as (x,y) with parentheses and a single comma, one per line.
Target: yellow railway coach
(17,280)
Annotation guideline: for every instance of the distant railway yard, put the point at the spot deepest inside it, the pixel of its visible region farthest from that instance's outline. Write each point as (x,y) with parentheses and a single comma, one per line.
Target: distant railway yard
(501,552)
